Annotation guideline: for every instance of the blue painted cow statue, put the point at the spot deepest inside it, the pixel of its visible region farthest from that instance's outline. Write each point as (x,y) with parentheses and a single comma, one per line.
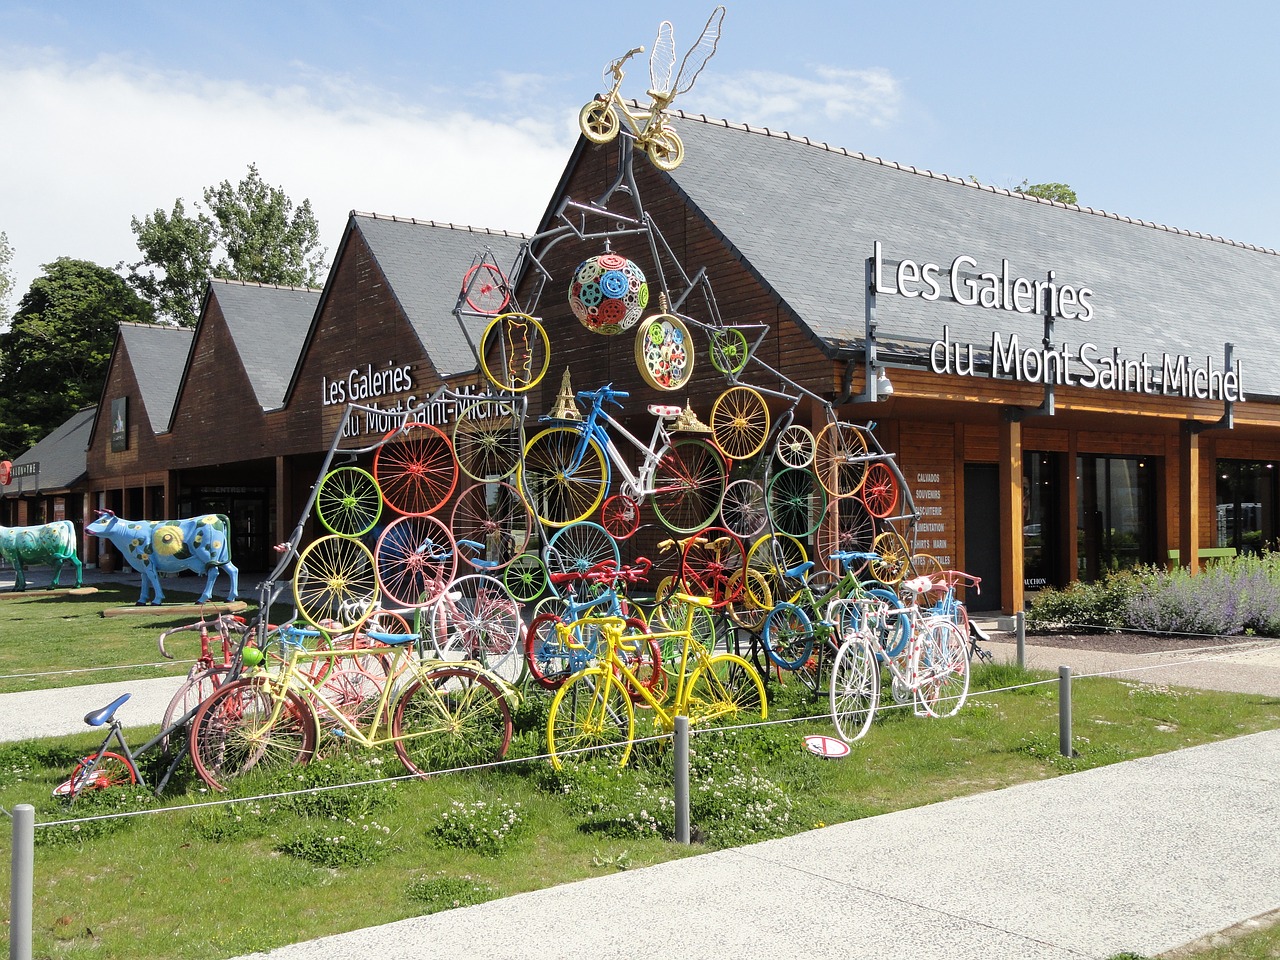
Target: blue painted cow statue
(153,547)
(52,543)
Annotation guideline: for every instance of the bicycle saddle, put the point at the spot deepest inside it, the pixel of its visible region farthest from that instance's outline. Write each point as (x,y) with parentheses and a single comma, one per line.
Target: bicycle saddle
(96,718)
(665,410)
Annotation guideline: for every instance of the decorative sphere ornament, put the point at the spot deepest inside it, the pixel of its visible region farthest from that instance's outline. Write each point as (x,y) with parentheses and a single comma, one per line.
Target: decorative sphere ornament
(608,293)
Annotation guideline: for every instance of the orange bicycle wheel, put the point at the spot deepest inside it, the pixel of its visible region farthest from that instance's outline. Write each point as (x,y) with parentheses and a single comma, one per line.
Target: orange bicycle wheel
(840,458)
(880,490)
(416,469)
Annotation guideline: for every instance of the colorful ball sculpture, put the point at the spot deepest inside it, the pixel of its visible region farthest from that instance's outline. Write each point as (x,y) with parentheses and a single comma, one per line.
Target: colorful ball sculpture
(608,293)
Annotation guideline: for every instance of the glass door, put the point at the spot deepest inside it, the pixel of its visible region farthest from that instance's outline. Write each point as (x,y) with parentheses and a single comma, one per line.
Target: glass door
(1116,511)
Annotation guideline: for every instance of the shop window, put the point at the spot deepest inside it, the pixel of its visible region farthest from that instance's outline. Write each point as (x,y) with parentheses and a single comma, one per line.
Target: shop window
(1116,514)
(1246,505)
(1040,506)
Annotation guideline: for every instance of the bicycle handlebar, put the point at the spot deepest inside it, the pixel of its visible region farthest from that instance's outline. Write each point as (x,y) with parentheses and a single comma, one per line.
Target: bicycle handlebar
(220,621)
(605,394)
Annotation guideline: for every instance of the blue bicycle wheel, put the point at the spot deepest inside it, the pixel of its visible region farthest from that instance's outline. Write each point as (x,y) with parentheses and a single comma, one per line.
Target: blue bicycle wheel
(788,636)
(578,547)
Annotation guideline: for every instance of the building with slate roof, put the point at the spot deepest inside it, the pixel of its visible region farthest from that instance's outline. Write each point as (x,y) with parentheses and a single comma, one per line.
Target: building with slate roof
(43,479)
(1065,391)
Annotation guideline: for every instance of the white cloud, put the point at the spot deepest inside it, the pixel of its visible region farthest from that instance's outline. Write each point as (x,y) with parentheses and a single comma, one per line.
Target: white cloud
(776,100)
(90,147)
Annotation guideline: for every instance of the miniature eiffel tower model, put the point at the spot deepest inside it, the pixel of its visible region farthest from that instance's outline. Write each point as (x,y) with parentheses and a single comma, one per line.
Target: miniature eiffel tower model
(565,407)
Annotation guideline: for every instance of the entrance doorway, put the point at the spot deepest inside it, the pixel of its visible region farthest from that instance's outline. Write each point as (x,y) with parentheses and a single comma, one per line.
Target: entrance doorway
(1041,554)
(982,533)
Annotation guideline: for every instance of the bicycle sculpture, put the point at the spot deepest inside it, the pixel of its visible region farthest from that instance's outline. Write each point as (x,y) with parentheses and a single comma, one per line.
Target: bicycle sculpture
(602,119)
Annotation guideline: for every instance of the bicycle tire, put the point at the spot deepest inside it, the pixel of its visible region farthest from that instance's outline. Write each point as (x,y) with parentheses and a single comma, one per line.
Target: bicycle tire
(195,689)
(795,446)
(880,490)
(526,577)
(740,422)
(744,512)
(840,458)
(725,690)
(689,482)
(416,469)
(796,502)
(665,149)
(892,557)
(228,739)
(98,771)
(855,688)
(485,289)
(729,350)
(558,491)
(548,661)
(591,713)
(943,668)
(495,516)
(620,515)
(335,581)
(452,717)
(487,439)
(348,501)
(519,344)
(415,559)
(577,547)
(599,121)
(788,636)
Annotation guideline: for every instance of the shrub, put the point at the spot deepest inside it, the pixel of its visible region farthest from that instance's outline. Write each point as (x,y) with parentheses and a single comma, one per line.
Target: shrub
(340,843)
(1087,607)
(488,827)
(445,893)
(335,772)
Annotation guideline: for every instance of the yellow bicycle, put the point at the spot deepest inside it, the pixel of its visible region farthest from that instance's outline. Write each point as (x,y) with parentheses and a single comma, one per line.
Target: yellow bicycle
(437,715)
(596,707)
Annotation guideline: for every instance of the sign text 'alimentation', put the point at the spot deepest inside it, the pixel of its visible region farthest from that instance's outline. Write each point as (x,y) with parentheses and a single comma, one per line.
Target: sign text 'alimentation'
(1083,365)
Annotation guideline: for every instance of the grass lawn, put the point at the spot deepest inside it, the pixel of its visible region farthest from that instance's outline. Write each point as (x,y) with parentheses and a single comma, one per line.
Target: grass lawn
(219,881)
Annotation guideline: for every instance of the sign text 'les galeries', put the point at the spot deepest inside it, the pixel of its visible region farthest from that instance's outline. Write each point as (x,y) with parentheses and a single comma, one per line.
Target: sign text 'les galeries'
(1087,365)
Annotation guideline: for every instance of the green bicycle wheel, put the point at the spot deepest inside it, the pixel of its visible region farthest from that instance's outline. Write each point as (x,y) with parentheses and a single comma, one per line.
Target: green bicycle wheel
(729,350)
(348,501)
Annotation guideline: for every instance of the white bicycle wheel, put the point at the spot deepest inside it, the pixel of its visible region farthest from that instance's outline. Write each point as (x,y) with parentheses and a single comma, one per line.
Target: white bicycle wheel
(855,688)
(477,619)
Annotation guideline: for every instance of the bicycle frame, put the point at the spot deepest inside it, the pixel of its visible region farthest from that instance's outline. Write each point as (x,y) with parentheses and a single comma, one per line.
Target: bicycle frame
(640,484)
(80,781)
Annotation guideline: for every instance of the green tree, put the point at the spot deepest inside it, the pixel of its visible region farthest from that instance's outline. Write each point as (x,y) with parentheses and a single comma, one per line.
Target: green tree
(247,231)
(53,357)
(1060,192)
(6,278)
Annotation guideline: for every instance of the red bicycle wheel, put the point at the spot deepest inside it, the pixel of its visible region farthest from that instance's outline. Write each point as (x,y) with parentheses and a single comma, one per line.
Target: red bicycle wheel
(620,516)
(416,469)
(485,289)
(880,491)
(708,565)
(415,559)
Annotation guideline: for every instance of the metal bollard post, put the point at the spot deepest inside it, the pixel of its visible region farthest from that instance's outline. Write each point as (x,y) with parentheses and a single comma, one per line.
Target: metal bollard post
(1020,618)
(21,881)
(682,780)
(1064,712)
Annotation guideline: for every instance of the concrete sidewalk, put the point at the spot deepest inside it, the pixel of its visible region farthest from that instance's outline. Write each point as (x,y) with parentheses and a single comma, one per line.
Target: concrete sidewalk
(1146,855)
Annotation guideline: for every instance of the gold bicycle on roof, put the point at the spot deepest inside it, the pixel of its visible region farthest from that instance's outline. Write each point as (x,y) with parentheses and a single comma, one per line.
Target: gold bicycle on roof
(602,118)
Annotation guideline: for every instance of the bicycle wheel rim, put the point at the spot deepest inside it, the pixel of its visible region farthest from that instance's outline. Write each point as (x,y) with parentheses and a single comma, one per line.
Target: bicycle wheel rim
(689,485)
(559,490)
(740,422)
(348,501)
(415,559)
(335,582)
(416,469)
(491,525)
(514,352)
(486,439)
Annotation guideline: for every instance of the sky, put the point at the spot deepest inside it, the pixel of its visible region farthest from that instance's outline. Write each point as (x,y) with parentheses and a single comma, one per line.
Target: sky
(466,113)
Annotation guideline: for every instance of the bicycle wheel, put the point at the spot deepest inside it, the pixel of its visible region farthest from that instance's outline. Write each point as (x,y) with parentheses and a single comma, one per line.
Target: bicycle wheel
(772,556)
(415,559)
(840,458)
(725,690)
(943,668)
(729,350)
(740,422)
(743,511)
(708,564)
(788,636)
(561,484)
(416,469)
(485,289)
(451,717)
(925,565)
(353,689)
(880,490)
(486,439)
(855,688)
(664,352)
(591,716)
(620,515)
(598,122)
(666,149)
(479,620)
(547,659)
(233,732)
(578,547)
(752,599)
(688,485)
(892,557)
(514,352)
(795,446)
(335,582)
(194,690)
(671,614)
(526,578)
(796,502)
(491,525)
(98,771)
(348,501)
(643,657)
(847,528)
